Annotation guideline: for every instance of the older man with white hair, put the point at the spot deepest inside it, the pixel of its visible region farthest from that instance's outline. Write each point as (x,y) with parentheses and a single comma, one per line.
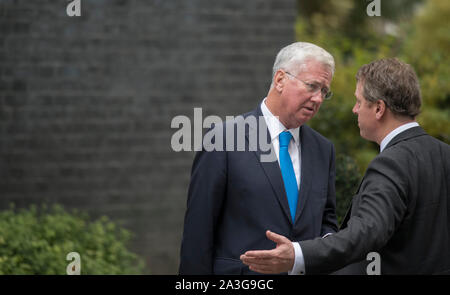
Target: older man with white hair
(234,196)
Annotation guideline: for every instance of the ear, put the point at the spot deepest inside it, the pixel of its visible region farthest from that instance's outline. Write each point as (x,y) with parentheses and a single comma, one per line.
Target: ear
(380,109)
(279,81)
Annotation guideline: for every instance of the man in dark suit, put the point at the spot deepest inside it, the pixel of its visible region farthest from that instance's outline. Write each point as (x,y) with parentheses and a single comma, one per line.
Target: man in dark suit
(234,195)
(402,208)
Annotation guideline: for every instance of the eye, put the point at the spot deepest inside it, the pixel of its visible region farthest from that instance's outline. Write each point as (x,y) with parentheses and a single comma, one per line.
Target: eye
(312,86)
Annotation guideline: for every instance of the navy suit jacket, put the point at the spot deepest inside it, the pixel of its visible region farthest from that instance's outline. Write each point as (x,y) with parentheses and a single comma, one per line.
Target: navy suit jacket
(234,198)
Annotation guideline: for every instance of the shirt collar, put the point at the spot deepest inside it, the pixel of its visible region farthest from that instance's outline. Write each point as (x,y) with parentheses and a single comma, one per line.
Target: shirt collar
(275,126)
(395,132)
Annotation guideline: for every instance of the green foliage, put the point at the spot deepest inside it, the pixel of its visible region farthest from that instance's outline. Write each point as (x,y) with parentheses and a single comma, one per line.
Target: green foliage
(415,31)
(347,180)
(420,37)
(335,120)
(427,49)
(37,241)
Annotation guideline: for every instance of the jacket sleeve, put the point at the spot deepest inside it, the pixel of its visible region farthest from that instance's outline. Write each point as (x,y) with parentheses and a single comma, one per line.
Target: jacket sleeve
(382,204)
(205,197)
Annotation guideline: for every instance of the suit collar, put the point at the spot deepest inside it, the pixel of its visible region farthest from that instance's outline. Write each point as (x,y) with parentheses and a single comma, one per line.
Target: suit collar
(395,132)
(405,135)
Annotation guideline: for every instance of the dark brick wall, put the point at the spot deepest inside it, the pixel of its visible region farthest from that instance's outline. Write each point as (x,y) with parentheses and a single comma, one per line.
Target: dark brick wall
(86,102)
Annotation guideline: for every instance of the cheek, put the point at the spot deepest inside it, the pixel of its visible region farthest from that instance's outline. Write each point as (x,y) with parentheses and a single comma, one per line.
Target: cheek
(294,103)
(364,120)
(361,118)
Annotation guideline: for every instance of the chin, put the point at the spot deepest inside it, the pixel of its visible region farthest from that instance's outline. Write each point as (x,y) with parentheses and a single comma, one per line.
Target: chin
(300,122)
(364,136)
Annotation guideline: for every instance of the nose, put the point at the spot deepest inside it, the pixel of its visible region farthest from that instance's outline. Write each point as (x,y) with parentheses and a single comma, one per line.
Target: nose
(317,97)
(355,109)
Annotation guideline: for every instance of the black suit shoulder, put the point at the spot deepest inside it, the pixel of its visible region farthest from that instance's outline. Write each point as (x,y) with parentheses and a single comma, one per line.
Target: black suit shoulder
(416,151)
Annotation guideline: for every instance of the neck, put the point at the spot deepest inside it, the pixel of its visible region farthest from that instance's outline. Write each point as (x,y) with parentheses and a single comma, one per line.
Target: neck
(390,126)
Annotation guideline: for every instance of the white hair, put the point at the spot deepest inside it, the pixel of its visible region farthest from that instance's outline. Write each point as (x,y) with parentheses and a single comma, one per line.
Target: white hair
(293,57)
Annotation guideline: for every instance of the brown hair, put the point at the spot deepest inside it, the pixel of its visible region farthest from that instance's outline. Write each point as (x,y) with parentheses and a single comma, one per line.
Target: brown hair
(394,82)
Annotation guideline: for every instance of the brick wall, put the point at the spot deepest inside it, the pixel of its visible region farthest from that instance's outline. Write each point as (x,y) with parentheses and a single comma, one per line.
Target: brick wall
(86,102)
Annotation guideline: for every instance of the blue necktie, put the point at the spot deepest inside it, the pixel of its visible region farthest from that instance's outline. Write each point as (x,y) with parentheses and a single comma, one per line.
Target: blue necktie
(287,171)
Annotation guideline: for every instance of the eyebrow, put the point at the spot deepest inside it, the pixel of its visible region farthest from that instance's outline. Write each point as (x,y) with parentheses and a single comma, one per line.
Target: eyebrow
(317,82)
(322,85)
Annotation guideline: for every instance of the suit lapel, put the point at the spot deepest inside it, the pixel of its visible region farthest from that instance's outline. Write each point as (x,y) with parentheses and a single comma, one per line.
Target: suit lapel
(306,156)
(271,169)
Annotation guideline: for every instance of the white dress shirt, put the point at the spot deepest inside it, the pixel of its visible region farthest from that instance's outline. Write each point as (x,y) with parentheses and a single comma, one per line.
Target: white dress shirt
(275,128)
(395,132)
(299,263)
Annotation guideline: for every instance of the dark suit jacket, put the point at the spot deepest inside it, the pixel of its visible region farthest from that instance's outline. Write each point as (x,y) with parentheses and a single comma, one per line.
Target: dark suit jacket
(234,198)
(401,211)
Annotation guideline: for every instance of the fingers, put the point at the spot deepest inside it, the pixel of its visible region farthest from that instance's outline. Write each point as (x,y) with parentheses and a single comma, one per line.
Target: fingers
(261,254)
(265,266)
(273,261)
(253,260)
(279,239)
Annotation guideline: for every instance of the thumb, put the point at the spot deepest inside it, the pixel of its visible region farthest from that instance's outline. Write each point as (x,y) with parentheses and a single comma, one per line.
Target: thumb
(279,239)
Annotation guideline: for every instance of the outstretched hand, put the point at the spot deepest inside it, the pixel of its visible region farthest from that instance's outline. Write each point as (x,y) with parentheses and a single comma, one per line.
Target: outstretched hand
(278,260)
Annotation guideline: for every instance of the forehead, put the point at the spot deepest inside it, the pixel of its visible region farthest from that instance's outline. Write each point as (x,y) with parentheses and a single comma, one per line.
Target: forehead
(316,71)
(359,90)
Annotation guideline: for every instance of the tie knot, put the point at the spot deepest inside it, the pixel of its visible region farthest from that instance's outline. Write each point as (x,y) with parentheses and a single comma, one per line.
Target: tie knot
(285,138)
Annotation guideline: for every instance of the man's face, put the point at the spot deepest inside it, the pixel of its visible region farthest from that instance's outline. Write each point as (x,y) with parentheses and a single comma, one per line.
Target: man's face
(298,103)
(366,114)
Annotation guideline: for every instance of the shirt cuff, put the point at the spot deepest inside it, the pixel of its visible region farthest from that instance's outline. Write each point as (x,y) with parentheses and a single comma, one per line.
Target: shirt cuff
(299,263)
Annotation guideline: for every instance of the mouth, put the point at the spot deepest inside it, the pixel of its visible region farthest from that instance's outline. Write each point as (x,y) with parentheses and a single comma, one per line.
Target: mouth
(309,109)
